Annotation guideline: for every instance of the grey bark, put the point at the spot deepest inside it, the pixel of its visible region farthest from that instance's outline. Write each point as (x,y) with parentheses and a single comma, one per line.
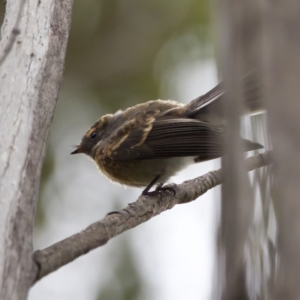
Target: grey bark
(33,44)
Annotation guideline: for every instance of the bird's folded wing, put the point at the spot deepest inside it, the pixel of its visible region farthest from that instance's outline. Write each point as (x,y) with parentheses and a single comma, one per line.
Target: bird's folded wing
(173,138)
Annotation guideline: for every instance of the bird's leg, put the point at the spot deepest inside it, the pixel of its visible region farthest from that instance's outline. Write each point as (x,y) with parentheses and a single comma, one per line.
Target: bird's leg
(158,189)
(150,185)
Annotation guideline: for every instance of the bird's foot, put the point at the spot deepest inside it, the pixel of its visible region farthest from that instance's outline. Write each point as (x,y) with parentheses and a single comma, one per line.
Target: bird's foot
(159,190)
(166,189)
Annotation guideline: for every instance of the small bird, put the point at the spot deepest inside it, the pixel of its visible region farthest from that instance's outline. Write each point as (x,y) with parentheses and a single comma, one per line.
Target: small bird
(148,143)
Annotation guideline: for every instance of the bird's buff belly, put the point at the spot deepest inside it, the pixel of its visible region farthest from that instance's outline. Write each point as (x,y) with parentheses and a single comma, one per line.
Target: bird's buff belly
(140,173)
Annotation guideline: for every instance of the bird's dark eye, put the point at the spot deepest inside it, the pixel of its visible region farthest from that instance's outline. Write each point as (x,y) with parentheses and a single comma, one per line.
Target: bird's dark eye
(93,135)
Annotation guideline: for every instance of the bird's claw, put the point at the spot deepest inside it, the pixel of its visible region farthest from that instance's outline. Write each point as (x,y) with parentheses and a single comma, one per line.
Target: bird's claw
(159,190)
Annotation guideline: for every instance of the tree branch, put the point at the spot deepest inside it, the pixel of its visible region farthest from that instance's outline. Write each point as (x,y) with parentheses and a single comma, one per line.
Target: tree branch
(145,208)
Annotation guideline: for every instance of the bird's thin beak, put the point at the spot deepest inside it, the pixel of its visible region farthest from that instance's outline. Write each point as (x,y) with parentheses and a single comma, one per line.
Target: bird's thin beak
(77,150)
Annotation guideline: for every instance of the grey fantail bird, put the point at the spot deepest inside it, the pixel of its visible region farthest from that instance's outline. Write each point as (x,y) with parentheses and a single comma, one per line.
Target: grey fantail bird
(148,143)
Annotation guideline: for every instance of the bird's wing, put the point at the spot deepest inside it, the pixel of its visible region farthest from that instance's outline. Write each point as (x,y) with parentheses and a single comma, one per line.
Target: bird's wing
(175,138)
(172,138)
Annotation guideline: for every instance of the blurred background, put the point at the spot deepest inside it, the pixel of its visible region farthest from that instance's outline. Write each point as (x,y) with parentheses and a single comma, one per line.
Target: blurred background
(121,53)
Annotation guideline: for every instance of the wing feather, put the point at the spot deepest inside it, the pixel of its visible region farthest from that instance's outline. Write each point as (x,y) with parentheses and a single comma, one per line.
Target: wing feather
(173,138)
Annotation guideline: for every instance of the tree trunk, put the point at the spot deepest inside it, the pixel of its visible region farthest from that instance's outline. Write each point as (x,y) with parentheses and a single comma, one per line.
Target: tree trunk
(33,45)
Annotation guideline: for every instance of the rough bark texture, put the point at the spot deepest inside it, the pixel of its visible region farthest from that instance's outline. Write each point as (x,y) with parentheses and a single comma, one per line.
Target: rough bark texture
(145,208)
(33,43)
